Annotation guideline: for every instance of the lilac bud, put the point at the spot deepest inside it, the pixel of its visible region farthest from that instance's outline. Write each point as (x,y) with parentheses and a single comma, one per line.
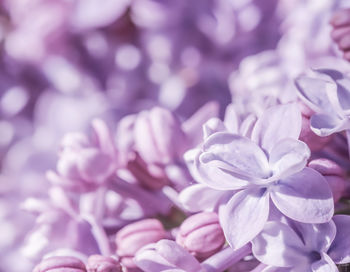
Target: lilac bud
(201,234)
(136,235)
(60,264)
(159,138)
(98,263)
(166,255)
(334,175)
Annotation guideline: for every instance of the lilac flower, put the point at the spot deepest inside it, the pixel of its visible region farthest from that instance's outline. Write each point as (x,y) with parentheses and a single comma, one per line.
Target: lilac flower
(151,144)
(328,94)
(304,247)
(81,232)
(271,166)
(86,163)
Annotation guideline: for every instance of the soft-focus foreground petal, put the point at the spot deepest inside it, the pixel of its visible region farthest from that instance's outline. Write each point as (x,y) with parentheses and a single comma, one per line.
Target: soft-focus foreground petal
(279,245)
(244,216)
(277,123)
(58,263)
(326,264)
(228,161)
(340,249)
(317,237)
(166,255)
(288,156)
(304,197)
(200,197)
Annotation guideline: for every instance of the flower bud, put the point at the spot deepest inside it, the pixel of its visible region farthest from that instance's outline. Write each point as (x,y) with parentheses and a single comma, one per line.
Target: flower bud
(159,138)
(60,264)
(136,235)
(98,263)
(201,234)
(334,175)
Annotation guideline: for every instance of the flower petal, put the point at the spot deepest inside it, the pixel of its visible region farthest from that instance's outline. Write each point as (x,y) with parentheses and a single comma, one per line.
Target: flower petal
(229,161)
(324,124)
(200,197)
(340,96)
(304,197)
(277,123)
(313,92)
(340,250)
(212,126)
(249,207)
(288,156)
(177,256)
(326,264)
(279,245)
(317,237)
(149,260)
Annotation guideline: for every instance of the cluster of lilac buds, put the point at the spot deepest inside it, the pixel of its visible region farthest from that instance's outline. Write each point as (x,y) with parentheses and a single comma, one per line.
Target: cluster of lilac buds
(174,136)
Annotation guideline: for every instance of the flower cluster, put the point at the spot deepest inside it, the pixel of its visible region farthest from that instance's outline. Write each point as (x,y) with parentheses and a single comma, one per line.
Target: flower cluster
(187,136)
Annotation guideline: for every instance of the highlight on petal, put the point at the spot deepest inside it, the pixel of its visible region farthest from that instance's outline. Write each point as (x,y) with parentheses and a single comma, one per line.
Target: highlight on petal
(305,197)
(288,156)
(230,161)
(340,250)
(277,123)
(278,245)
(244,216)
(200,197)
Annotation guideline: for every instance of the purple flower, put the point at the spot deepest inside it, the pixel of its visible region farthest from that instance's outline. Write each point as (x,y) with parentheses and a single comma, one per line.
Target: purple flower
(86,163)
(268,169)
(327,92)
(304,247)
(201,234)
(151,144)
